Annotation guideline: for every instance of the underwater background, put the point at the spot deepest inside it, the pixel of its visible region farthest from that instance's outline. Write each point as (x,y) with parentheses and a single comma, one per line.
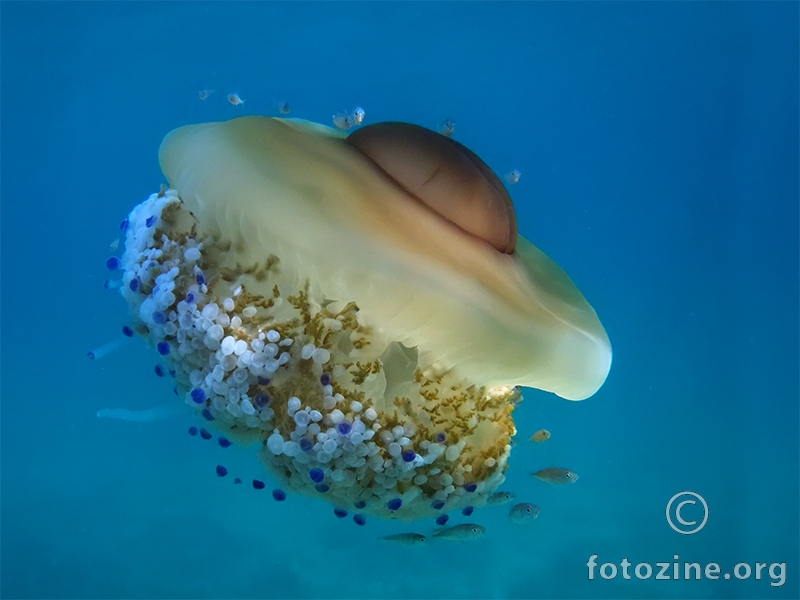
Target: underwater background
(658,146)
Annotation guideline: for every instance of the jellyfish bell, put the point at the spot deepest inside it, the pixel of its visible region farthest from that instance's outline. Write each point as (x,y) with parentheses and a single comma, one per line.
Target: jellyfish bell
(444,175)
(274,186)
(323,299)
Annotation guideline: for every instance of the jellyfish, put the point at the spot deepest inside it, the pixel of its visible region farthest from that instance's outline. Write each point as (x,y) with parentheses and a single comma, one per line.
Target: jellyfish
(360,306)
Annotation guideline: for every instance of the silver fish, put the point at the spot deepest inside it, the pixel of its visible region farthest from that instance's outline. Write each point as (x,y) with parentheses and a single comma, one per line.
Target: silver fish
(512,177)
(499,498)
(447,127)
(524,512)
(556,476)
(541,435)
(235,99)
(460,533)
(343,121)
(407,539)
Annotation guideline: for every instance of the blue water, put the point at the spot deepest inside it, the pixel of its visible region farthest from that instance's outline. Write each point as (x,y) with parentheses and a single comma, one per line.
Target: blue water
(658,145)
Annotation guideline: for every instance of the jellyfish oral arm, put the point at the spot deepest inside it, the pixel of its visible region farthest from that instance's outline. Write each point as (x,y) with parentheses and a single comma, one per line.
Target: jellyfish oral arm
(159,413)
(100,352)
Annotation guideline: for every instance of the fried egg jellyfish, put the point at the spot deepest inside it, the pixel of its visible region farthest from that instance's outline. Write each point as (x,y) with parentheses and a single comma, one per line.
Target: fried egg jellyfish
(326,298)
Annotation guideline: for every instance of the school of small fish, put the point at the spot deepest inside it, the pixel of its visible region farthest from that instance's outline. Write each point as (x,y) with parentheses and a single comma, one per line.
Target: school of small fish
(519,514)
(345,120)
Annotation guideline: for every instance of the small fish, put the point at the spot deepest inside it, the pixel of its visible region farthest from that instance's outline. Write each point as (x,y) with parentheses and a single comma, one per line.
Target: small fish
(523,513)
(282,106)
(343,120)
(499,498)
(358,115)
(556,476)
(114,244)
(447,127)
(205,93)
(460,533)
(235,99)
(407,539)
(512,177)
(541,435)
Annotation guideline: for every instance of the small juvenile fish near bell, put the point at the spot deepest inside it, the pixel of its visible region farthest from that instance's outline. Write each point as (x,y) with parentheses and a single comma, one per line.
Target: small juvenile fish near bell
(282,106)
(406,539)
(205,93)
(512,177)
(523,512)
(499,498)
(447,127)
(343,120)
(542,435)
(460,533)
(235,99)
(556,476)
